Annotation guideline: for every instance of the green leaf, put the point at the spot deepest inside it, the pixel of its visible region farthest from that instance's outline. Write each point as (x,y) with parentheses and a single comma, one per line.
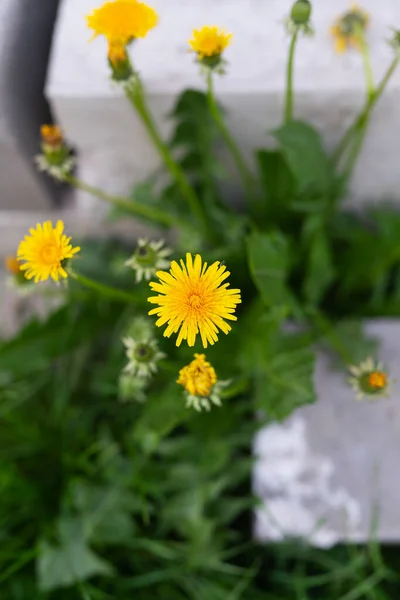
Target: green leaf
(67,565)
(280,361)
(320,271)
(269,257)
(71,562)
(165,410)
(105,511)
(287,379)
(302,147)
(358,344)
(277,180)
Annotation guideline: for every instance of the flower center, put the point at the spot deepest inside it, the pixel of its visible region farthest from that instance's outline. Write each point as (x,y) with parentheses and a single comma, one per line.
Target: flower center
(195,301)
(143,353)
(377,380)
(50,254)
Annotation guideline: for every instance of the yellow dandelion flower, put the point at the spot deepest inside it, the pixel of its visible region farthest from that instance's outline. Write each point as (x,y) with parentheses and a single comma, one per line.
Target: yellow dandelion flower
(377,380)
(202,388)
(193,300)
(12,265)
(346,30)
(51,135)
(120,21)
(45,251)
(209,41)
(199,377)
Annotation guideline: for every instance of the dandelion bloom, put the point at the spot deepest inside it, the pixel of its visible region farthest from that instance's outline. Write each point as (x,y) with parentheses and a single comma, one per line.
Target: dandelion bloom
(202,389)
(369,379)
(209,41)
(199,377)
(44,252)
(120,21)
(346,31)
(192,300)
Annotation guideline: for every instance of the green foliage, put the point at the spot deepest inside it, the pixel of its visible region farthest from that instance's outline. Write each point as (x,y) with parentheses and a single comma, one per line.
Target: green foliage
(143,498)
(269,255)
(302,147)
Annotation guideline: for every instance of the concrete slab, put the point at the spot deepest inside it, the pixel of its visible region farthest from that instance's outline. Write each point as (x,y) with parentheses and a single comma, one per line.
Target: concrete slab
(329,88)
(332,467)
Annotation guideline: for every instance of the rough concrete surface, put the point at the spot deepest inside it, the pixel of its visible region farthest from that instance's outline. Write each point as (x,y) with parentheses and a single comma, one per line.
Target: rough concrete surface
(331,468)
(329,88)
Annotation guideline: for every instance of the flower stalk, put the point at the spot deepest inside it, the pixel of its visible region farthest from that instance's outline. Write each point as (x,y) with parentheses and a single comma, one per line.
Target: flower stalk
(136,96)
(288,110)
(353,138)
(244,171)
(130,206)
(105,290)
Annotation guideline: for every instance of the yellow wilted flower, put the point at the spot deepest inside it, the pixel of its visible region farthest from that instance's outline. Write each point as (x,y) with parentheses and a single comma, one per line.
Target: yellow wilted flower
(209,42)
(45,252)
(12,265)
(51,135)
(193,301)
(200,382)
(121,21)
(346,30)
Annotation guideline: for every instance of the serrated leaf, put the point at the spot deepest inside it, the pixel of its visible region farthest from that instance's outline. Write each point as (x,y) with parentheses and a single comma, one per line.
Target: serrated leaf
(105,511)
(269,256)
(320,270)
(165,410)
(356,342)
(189,104)
(302,147)
(68,564)
(287,380)
(277,180)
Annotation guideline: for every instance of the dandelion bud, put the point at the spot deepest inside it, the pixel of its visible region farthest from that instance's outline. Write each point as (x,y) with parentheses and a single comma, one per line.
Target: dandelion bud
(301,12)
(369,379)
(55,159)
(149,258)
(119,62)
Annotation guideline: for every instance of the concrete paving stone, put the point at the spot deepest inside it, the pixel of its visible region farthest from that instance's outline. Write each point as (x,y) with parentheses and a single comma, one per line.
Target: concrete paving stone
(333,467)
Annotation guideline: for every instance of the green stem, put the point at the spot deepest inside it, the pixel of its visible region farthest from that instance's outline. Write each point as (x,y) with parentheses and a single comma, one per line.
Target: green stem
(228,139)
(139,210)
(136,96)
(288,114)
(369,78)
(104,290)
(238,387)
(385,80)
(361,131)
(365,112)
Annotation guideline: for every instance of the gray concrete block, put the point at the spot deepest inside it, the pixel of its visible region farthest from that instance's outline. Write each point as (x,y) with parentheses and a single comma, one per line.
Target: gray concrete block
(329,88)
(25,33)
(333,466)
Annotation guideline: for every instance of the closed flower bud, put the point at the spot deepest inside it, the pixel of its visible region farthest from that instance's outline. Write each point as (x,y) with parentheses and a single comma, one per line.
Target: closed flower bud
(119,62)
(301,12)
